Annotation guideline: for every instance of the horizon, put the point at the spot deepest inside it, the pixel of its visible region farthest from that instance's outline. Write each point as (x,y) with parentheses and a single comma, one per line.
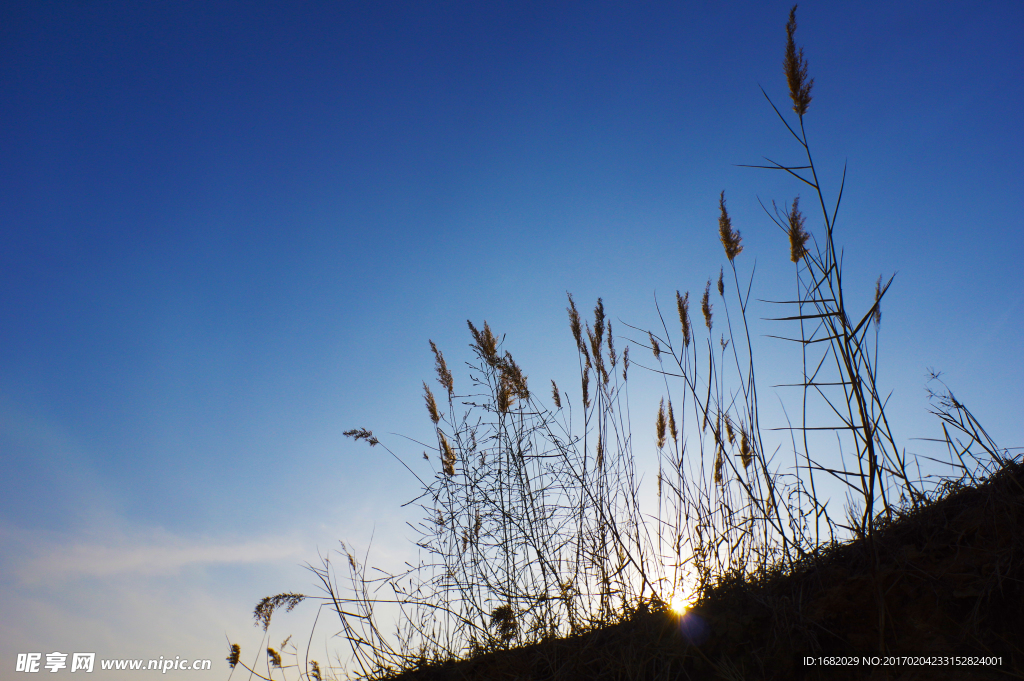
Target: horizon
(231,231)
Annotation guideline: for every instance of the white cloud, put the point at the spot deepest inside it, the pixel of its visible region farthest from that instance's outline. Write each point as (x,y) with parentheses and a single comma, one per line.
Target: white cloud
(53,558)
(164,558)
(143,593)
(125,590)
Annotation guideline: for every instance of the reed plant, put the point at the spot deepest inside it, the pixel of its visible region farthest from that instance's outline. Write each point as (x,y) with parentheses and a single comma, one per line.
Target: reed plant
(532,529)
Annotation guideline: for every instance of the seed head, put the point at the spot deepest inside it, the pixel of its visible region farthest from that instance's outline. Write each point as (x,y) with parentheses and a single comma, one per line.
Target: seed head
(447,455)
(795,67)
(599,323)
(443,375)
(611,347)
(504,397)
(435,416)
(705,305)
(554,395)
(362,434)
(797,236)
(672,423)
(660,424)
(745,454)
(730,237)
(595,346)
(266,607)
(586,388)
(513,381)
(721,281)
(574,324)
(683,306)
(503,618)
(484,343)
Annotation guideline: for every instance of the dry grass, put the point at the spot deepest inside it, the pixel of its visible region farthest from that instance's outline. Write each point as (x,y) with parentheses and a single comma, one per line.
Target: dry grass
(953,574)
(537,563)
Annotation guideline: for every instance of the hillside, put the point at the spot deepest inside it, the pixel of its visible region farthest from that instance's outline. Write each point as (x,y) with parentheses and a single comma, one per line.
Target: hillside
(953,577)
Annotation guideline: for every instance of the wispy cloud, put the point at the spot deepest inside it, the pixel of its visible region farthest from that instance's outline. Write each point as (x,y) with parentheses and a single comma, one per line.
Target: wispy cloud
(55,559)
(124,590)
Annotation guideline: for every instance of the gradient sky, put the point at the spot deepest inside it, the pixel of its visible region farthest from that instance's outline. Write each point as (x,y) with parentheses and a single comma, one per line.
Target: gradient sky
(228,230)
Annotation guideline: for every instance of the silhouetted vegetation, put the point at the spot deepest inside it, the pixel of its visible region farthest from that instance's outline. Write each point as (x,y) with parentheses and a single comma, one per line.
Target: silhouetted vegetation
(537,563)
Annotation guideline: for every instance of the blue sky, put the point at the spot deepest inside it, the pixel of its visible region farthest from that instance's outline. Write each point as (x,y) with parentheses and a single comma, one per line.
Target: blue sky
(229,230)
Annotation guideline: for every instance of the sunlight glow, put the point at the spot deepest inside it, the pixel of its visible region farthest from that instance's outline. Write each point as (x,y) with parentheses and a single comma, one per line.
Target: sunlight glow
(679,603)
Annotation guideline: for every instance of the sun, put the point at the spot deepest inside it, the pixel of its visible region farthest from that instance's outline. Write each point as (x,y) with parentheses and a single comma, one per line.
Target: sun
(679,603)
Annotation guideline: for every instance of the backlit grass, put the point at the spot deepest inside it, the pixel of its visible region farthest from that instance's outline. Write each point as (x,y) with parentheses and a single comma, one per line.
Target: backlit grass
(536,560)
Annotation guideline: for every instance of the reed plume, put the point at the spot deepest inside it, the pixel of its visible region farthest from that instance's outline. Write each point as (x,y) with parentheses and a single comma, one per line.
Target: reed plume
(705,305)
(672,423)
(730,237)
(795,67)
(797,236)
(655,348)
(362,434)
(683,307)
(574,325)
(444,376)
(234,652)
(660,424)
(485,342)
(435,416)
(448,457)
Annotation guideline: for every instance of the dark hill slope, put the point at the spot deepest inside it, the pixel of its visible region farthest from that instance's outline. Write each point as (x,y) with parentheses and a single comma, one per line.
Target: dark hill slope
(952,575)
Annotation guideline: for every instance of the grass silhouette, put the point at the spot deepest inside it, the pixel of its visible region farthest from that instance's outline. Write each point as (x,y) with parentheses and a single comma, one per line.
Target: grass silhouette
(537,563)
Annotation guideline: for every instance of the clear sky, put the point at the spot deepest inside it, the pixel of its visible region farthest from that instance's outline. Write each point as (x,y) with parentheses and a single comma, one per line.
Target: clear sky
(228,230)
